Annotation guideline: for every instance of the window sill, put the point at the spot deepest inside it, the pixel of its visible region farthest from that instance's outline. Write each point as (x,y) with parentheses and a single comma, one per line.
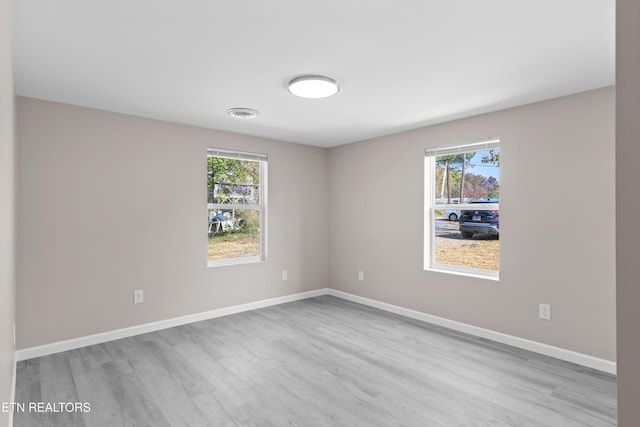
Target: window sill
(235,261)
(479,274)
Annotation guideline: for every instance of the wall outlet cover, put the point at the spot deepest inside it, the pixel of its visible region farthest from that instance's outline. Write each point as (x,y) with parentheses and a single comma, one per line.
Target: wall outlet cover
(544,311)
(138,296)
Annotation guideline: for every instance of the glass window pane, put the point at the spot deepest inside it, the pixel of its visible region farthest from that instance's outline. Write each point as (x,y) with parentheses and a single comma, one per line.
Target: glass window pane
(473,175)
(464,237)
(233,233)
(232,181)
(477,248)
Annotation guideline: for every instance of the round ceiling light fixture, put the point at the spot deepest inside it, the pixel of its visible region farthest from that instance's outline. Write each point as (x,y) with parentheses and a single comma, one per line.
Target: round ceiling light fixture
(243,113)
(313,87)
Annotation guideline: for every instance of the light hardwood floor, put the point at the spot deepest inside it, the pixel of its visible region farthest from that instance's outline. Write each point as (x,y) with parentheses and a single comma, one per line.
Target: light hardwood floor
(316,362)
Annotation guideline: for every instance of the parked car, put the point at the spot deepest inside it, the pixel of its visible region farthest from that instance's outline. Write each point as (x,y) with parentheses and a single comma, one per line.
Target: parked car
(483,222)
(452,215)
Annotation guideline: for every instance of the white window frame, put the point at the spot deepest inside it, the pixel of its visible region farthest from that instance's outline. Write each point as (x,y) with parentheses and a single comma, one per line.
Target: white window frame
(430,207)
(261,206)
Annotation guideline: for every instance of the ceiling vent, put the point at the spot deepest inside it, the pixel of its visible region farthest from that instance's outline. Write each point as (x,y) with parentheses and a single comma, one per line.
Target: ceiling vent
(243,113)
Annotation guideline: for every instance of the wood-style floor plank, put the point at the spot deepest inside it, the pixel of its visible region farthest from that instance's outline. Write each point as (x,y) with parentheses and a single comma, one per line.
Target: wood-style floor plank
(317,362)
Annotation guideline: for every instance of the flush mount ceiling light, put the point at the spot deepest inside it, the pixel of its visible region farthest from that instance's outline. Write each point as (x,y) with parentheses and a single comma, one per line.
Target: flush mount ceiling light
(313,87)
(243,113)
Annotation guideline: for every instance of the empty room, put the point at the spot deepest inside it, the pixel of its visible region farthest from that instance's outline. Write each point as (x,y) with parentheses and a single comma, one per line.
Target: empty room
(288,213)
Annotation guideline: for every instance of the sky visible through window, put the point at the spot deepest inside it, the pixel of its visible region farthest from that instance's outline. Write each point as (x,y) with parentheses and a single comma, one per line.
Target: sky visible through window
(483,169)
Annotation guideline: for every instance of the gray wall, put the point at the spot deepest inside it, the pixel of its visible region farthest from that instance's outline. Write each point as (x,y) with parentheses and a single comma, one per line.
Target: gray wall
(7,207)
(557,223)
(109,203)
(628,203)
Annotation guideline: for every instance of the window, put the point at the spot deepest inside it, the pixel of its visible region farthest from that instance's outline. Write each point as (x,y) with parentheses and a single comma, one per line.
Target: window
(462,216)
(236,207)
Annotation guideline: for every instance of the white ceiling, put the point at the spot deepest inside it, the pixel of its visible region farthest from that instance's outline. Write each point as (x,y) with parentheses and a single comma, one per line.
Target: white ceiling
(401,64)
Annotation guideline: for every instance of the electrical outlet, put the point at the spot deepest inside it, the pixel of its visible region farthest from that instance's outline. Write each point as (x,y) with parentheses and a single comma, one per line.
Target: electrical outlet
(361,275)
(285,274)
(544,311)
(138,296)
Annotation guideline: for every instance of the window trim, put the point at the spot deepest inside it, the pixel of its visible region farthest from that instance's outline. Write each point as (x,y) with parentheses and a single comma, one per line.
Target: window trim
(261,206)
(429,258)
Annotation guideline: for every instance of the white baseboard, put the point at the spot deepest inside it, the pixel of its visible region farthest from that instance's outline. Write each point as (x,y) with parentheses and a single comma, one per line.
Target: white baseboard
(547,350)
(57,347)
